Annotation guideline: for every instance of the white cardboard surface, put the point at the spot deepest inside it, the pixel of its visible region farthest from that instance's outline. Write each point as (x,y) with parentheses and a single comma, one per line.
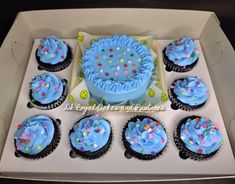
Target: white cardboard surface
(59,161)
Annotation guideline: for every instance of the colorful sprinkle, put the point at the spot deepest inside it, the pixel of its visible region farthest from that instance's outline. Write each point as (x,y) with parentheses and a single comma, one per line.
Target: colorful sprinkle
(27,142)
(215,139)
(204,125)
(106,74)
(47,85)
(121,60)
(99,64)
(43,94)
(134,140)
(199,150)
(128,49)
(118,67)
(186,131)
(200,136)
(102,50)
(133,64)
(110,56)
(62,57)
(125,72)
(203,142)
(115,73)
(24,135)
(56,89)
(163,140)
(216,126)
(95,145)
(118,48)
(110,61)
(157,123)
(84,134)
(110,50)
(39,147)
(97,58)
(88,129)
(139,59)
(18,148)
(129,61)
(190,142)
(134,71)
(151,136)
(125,65)
(182,137)
(132,55)
(101,70)
(81,149)
(124,53)
(22,140)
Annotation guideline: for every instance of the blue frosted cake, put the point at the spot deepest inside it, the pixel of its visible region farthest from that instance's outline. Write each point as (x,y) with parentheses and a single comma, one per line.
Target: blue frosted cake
(117,69)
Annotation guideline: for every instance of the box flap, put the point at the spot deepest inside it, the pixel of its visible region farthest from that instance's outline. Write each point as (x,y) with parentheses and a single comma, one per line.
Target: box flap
(220,58)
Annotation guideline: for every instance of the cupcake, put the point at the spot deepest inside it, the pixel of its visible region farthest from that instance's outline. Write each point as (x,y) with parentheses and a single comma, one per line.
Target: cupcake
(188,93)
(53,54)
(181,55)
(47,91)
(144,138)
(91,137)
(36,137)
(197,138)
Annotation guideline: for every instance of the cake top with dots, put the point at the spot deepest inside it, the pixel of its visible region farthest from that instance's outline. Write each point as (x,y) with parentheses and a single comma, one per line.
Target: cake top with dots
(117,63)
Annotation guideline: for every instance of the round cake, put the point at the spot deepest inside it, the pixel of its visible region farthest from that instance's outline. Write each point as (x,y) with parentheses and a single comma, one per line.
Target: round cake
(36,137)
(47,91)
(144,137)
(197,138)
(91,137)
(117,69)
(53,54)
(188,93)
(181,55)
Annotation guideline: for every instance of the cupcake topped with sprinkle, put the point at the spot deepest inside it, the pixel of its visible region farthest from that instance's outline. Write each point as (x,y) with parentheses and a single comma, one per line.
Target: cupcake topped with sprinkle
(200,135)
(144,137)
(36,137)
(181,55)
(91,136)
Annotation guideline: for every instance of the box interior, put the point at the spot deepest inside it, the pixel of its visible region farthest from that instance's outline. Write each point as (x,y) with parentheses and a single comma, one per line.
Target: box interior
(165,24)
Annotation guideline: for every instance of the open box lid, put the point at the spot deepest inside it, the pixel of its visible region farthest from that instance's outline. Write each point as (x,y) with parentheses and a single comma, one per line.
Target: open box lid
(166,24)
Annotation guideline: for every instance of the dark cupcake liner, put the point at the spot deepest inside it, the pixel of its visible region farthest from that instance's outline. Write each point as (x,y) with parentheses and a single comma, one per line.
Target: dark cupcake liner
(56,67)
(177,104)
(184,152)
(47,150)
(87,154)
(170,66)
(129,153)
(34,103)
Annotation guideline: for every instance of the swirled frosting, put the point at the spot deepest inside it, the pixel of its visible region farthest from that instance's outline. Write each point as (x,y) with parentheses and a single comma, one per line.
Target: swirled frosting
(34,134)
(182,52)
(200,135)
(46,88)
(191,90)
(52,50)
(90,134)
(146,136)
(117,64)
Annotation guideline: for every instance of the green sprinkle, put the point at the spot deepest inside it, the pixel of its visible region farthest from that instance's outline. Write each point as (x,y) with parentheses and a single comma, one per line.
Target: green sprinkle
(132,55)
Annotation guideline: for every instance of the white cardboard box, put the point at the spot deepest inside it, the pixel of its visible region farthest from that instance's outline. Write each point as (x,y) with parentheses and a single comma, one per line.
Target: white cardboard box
(166,24)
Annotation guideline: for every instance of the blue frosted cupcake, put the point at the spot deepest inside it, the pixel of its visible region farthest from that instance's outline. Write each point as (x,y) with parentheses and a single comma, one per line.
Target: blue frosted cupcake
(181,55)
(144,138)
(36,137)
(188,93)
(47,91)
(53,54)
(91,137)
(197,138)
